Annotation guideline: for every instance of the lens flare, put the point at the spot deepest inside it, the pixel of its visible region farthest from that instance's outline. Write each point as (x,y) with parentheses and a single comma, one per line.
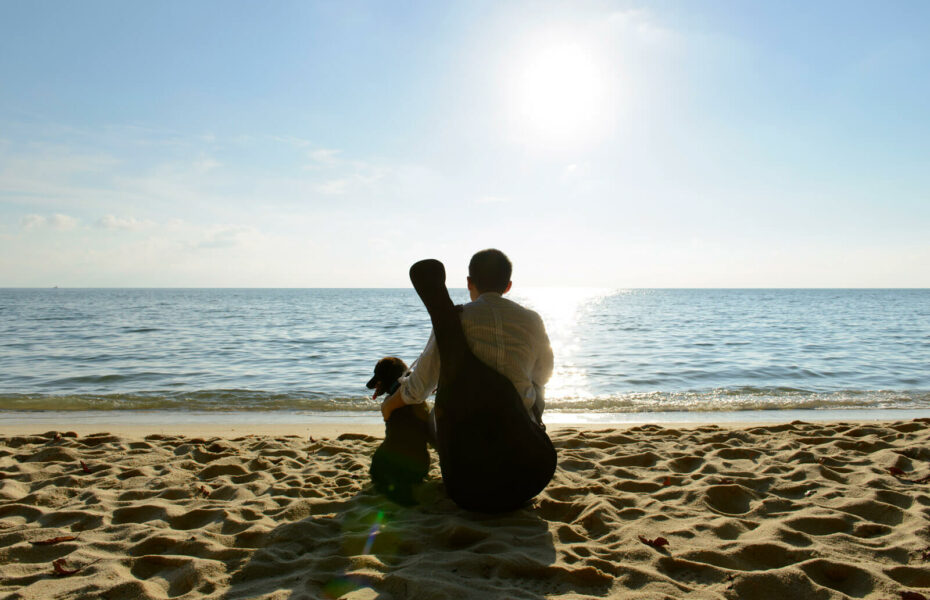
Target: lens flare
(373,532)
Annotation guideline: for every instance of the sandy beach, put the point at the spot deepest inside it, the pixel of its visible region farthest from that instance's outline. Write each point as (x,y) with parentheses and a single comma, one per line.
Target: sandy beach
(801,510)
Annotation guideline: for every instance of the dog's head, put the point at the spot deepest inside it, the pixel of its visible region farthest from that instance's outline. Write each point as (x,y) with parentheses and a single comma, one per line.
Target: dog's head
(388,370)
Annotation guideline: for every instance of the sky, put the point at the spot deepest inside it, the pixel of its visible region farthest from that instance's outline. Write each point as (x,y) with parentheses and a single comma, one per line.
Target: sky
(333,144)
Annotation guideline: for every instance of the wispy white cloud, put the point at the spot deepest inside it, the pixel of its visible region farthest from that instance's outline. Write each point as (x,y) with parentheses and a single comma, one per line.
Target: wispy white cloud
(35,173)
(205,164)
(227,236)
(292,141)
(326,157)
(124,223)
(170,214)
(92,174)
(642,25)
(56,221)
(334,187)
(344,175)
(30,222)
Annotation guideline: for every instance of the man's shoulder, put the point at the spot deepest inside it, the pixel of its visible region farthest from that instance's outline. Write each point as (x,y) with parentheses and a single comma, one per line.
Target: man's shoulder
(492,300)
(497,301)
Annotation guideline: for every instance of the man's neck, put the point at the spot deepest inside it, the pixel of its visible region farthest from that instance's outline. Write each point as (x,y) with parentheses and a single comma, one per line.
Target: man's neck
(490,294)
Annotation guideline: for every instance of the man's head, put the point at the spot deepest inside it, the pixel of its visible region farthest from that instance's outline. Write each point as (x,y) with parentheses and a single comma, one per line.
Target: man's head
(489,271)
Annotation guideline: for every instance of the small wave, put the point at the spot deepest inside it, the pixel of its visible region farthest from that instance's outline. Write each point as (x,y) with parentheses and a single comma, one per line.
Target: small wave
(743,399)
(203,400)
(719,400)
(67,318)
(108,379)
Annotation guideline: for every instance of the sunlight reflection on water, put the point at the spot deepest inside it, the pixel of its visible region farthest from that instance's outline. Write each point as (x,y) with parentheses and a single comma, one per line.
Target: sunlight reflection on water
(563,310)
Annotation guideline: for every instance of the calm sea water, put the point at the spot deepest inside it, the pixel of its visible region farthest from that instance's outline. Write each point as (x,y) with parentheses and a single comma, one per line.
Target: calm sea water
(314,349)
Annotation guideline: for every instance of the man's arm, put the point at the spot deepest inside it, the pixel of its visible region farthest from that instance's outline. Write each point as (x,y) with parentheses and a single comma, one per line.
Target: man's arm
(542,370)
(390,404)
(421,382)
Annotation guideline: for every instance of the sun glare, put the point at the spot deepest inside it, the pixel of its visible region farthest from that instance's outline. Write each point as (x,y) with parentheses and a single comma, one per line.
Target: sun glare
(562,309)
(558,93)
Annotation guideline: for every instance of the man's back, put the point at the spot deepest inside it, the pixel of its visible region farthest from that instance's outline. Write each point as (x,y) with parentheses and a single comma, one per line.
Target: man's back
(505,336)
(511,340)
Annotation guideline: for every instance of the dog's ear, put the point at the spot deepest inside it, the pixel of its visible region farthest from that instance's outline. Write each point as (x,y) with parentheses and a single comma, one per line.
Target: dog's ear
(393,368)
(398,365)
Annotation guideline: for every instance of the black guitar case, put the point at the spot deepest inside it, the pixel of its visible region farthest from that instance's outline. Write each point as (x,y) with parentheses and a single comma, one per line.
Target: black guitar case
(494,457)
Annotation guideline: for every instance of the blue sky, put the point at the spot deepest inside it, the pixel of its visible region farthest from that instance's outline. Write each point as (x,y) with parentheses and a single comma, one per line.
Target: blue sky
(604,144)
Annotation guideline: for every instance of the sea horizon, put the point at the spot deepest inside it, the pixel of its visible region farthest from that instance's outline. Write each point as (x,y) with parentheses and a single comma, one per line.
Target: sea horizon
(531,287)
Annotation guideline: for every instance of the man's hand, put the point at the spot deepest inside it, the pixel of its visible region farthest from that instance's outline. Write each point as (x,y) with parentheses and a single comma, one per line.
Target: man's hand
(390,404)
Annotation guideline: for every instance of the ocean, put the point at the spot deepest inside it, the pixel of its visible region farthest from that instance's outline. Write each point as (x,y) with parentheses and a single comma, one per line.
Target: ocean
(312,350)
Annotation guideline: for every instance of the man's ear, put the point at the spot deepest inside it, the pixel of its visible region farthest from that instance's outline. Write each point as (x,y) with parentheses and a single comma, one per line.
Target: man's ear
(507,289)
(469,285)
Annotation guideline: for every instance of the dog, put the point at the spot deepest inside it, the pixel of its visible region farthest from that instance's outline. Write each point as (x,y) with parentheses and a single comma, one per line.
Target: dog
(387,371)
(402,460)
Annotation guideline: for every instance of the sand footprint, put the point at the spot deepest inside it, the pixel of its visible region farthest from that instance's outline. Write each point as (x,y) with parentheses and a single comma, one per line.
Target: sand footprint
(845,578)
(730,499)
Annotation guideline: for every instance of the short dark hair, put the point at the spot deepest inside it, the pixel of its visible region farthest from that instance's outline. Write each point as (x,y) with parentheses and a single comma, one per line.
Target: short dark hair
(490,271)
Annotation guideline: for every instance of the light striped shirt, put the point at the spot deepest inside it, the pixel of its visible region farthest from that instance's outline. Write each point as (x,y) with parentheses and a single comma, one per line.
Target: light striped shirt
(502,334)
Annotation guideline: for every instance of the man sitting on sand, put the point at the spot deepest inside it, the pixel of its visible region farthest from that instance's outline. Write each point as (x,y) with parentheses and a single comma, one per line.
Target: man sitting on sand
(502,334)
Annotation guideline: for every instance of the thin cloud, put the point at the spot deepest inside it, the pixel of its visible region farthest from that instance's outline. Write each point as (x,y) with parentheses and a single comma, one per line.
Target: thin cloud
(206,163)
(334,187)
(344,176)
(113,222)
(227,236)
(292,141)
(325,156)
(30,222)
(641,24)
(58,222)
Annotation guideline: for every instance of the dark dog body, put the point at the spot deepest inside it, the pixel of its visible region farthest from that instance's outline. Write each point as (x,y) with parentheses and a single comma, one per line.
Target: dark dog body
(402,460)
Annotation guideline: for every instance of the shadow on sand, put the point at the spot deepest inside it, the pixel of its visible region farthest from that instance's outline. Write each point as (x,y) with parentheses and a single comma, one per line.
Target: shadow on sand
(368,547)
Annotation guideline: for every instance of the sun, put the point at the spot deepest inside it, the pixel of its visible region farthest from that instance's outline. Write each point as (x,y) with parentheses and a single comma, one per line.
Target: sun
(558,93)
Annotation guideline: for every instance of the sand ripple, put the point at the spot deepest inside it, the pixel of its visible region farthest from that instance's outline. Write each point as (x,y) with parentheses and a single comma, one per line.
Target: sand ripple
(791,511)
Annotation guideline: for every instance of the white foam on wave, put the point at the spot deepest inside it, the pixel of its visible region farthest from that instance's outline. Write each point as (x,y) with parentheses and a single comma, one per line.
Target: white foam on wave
(252,401)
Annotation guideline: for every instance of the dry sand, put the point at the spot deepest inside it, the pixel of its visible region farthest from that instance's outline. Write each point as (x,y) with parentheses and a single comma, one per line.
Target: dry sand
(799,511)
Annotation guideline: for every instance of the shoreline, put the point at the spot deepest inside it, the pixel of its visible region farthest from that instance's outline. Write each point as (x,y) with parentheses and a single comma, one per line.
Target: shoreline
(139,423)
